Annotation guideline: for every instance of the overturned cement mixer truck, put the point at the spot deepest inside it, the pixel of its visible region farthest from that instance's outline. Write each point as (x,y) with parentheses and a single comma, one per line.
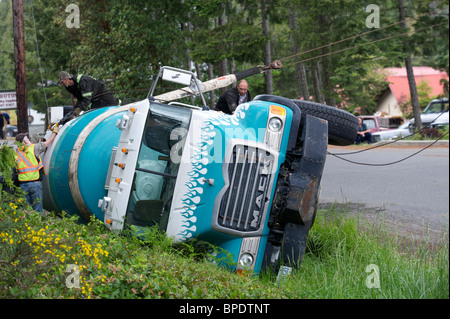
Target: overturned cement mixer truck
(247,182)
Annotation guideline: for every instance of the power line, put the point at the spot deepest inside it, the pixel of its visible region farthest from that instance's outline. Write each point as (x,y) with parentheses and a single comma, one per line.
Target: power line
(358,35)
(391,163)
(38,55)
(364,44)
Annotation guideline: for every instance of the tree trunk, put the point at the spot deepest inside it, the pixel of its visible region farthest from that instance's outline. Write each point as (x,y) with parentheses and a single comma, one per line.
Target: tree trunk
(222,66)
(317,83)
(268,81)
(324,21)
(326,82)
(212,96)
(410,72)
(189,27)
(302,80)
(21,75)
(233,70)
(300,71)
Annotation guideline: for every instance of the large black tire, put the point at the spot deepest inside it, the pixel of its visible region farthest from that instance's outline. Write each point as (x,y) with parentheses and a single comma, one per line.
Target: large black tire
(342,126)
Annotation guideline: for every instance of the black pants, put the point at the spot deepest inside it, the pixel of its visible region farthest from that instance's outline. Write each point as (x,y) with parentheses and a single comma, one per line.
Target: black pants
(104,100)
(366,138)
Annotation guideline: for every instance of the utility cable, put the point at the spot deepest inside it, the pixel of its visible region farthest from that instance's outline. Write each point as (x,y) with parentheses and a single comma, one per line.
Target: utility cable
(38,55)
(391,163)
(358,35)
(364,44)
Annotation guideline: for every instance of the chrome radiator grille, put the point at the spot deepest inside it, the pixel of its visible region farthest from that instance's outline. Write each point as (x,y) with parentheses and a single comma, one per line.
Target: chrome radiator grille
(243,205)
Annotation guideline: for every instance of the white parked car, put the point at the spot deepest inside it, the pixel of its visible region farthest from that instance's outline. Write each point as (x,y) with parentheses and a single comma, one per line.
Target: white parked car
(435,111)
(441,122)
(401,131)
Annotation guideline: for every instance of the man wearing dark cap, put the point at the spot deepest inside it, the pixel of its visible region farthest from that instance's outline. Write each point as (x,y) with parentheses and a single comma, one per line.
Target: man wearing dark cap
(90,93)
(30,168)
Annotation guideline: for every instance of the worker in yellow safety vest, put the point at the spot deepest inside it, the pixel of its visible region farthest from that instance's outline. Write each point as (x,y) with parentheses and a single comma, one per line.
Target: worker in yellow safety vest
(30,168)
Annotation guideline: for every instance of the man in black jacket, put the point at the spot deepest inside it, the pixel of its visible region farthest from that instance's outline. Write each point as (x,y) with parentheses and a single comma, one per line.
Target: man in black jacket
(90,93)
(229,101)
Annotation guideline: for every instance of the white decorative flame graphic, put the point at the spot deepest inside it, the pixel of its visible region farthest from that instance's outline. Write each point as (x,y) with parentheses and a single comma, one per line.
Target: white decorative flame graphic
(193,188)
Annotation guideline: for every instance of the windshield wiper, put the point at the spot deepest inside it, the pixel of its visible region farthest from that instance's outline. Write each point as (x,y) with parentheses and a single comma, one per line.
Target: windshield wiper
(156,173)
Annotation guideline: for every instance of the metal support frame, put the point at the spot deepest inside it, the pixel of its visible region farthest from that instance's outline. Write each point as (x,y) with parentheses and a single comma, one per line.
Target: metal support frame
(196,82)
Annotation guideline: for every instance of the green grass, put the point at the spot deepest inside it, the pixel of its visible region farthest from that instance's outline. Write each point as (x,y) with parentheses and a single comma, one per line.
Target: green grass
(35,252)
(340,250)
(430,134)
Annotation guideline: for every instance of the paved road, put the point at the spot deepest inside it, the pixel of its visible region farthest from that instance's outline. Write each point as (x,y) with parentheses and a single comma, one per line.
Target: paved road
(412,196)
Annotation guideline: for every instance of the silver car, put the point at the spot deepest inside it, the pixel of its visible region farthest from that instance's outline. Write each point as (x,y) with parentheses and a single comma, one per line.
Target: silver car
(401,131)
(433,112)
(441,122)
(11,130)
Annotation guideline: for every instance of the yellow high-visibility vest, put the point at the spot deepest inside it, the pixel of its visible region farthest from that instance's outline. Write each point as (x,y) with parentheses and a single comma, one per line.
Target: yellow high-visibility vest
(28,165)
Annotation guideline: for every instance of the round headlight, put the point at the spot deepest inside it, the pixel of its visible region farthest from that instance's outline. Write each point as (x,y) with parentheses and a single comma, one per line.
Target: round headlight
(246,260)
(275,124)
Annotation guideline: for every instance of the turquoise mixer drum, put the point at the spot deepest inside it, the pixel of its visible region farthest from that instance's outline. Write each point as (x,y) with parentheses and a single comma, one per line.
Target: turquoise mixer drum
(76,164)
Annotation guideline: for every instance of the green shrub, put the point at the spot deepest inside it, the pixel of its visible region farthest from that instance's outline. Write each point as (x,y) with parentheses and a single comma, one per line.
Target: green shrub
(36,251)
(7,164)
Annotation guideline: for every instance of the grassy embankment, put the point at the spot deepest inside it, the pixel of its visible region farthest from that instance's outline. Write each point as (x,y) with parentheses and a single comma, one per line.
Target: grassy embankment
(344,259)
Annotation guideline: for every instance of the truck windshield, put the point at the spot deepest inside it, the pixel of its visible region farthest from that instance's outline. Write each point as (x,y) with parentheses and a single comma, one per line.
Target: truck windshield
(436,107)
(157,166)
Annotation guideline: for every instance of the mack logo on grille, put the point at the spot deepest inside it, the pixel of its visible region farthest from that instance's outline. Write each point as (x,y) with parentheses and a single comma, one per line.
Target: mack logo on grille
(249,174)
(259,201)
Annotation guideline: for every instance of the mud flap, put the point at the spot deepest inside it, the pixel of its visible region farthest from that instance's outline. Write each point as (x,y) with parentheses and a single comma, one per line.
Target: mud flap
(294,244)
(306,173)
(297,216)
(304,190)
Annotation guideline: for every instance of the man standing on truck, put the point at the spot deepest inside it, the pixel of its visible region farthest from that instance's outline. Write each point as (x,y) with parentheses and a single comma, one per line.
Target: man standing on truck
(89,92)
(229,101)
(30,168)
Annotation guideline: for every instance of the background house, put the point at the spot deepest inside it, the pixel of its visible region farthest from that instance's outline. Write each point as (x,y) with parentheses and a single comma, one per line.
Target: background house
(398,94)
